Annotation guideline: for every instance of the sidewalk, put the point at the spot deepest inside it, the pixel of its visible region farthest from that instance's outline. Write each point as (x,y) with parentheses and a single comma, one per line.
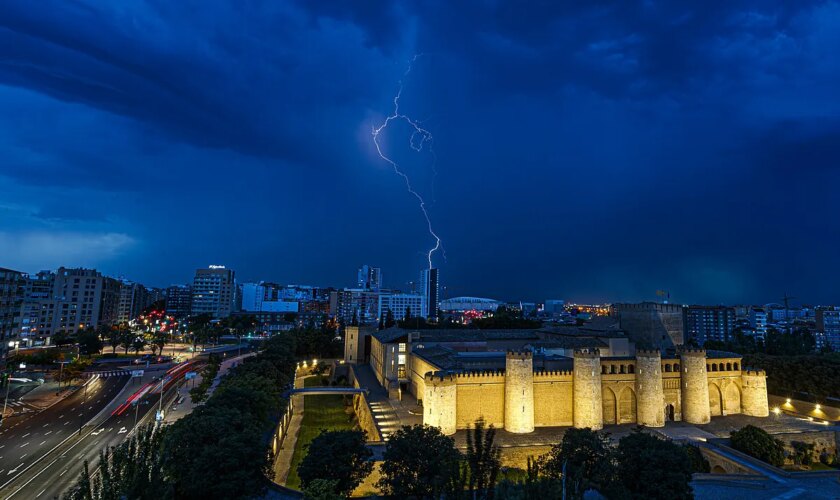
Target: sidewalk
(287,449)
(178,411)
(47,394)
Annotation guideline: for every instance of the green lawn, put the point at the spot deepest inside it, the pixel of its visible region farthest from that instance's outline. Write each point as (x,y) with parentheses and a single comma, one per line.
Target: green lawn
(315,381)
(319,412)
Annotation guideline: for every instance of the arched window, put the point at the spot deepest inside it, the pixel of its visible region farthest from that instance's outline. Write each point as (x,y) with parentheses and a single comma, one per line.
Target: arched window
(720,367)
(612,368)
(676,367)
(729,367)
(603,369)
(708,367)
(734,366)
(668,367)
(714,367)
(631,369)
(621,369)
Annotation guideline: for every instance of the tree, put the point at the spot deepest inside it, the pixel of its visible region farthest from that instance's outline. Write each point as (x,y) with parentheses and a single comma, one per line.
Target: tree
(803,453)
(389,319)
(649,467)
(418,463)
(61,338)
(697,460)
(199,328)
(407,317)
(138,344)
(89,342)
(339,456)
(757,443)
(322,489)
(484,459)
(355,320)
(585,456)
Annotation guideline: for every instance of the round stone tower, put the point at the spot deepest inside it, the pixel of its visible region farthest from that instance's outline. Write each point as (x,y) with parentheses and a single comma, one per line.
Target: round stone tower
(586,390)
(754,393)
(439,401)
(694,386)
(649,395)
(519,392)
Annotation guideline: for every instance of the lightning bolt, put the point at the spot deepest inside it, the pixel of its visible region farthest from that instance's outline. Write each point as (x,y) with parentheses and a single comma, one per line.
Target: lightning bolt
(420,138)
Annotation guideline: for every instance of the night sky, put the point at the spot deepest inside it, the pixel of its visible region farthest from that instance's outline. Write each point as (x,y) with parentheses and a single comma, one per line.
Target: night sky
(594,153)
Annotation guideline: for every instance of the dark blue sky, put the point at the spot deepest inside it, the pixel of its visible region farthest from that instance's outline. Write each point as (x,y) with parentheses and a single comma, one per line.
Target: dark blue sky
(597,152)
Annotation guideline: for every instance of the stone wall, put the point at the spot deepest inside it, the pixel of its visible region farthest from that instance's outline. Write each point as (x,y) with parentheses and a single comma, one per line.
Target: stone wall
(365,417)
(553,399)
(480,395)
(694,386)
(519,392)
(439,402)
(823,441)
(586,397)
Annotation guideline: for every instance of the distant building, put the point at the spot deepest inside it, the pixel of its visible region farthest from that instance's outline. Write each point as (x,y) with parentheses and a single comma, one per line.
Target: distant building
(369,278)
(702,323)
(261,297)
(84,299)
(758,322)
(133,299)
(179,301)
(38,310)
(361,303)
(213,292)
(650,324)
(463,304)
(11,299)
(554,307)
(430,290)
(397,303)
(828,323)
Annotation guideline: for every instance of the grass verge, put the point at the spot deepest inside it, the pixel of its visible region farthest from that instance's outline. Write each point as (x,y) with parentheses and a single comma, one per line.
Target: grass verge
(319,412)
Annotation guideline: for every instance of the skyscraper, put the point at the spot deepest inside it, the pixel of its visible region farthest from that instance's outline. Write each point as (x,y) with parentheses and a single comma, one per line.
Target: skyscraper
(429,289)
(703,323)
(369,278)
(213,291)
(11,297)
(179,301)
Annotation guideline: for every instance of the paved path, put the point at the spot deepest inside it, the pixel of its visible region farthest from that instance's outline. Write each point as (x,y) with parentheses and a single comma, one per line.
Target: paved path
(287,449)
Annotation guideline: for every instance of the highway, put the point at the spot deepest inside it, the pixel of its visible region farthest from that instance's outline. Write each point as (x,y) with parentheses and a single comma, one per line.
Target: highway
(28,438)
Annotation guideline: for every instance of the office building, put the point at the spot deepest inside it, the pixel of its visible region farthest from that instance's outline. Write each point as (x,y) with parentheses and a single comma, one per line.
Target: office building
(178,301)
(350,302)
(430,290)
(213,291)
(554,307)
(369,278)
(267,297)
(651,324)
(702,323)
(828,323)
(399,303)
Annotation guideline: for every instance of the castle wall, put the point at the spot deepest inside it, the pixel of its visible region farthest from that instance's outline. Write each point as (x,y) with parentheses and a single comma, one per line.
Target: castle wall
(440,401)
(586,390)
(649,389)
(553,397)
(754,395)
(519,392)
(694,387)
(480,395)
(417,370)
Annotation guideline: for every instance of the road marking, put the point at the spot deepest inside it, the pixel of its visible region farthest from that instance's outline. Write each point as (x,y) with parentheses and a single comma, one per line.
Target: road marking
(47,424)
(122,430)
(65,423)
(23,456)
(42,492)
(42,442)
(24,444)
(65,470)
(48,433)
(61,416)
(14,470)
(97,432)
(28,433)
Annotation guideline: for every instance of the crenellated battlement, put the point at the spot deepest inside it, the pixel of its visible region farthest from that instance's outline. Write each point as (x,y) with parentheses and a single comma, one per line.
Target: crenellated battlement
(648,353)
(439,378)
(588,352)
(522,355)
(691,351)
(754,372)
(479,374)
(553,373)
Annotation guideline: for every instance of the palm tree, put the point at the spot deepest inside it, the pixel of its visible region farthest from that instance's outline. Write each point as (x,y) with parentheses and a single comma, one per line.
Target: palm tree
(483,457)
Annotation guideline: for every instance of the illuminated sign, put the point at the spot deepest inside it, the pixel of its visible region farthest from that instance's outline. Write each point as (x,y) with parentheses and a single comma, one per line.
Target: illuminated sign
(216,267)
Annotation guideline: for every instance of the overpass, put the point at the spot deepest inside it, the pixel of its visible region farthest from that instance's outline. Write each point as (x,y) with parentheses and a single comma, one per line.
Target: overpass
(328,390)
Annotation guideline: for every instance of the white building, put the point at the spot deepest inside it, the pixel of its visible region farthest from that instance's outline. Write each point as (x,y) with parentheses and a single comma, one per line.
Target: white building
(257,297)
(399,302)
(758,321)
(213,291)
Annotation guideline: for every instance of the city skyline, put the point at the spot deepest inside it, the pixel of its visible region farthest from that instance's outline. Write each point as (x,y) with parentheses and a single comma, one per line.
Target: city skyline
(598,153)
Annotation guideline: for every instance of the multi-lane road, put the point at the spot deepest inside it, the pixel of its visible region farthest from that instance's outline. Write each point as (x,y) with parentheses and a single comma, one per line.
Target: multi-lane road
(54,475)
(26,439)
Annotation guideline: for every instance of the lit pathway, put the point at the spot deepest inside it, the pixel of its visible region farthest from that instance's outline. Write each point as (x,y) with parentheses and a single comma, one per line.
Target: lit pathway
(287,449)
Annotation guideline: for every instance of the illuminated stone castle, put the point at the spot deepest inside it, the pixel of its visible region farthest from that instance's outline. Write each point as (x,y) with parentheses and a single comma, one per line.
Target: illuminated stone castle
(520,380)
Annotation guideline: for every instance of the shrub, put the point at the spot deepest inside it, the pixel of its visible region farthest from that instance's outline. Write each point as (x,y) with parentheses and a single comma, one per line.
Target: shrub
(758,443)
